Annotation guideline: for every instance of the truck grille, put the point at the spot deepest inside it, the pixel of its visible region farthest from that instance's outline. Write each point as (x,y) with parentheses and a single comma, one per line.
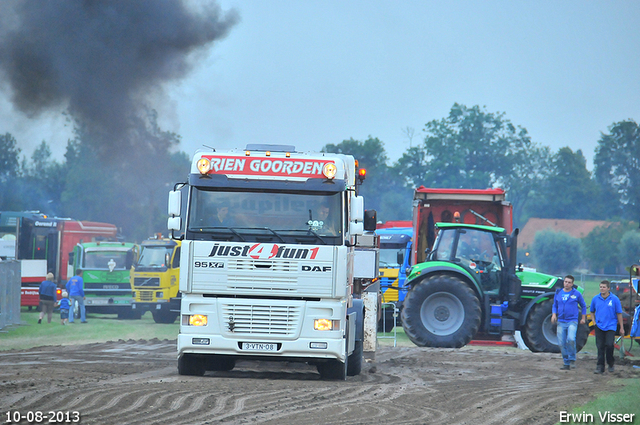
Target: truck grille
(146,295)
(261,319)
(251,264)
(146,281)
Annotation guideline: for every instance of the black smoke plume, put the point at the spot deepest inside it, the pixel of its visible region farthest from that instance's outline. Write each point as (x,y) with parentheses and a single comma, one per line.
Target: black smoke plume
(105,62)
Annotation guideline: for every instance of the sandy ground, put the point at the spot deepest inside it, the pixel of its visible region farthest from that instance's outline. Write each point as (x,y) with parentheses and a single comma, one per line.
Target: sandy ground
(137,382)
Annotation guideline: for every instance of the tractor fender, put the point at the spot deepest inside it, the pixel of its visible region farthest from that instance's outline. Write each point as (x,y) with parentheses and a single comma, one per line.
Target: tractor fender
(525,313)
(358,308)
(448,269)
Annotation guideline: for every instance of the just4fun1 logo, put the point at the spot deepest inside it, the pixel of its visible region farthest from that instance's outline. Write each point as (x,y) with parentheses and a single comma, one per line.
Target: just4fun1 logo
(261,251)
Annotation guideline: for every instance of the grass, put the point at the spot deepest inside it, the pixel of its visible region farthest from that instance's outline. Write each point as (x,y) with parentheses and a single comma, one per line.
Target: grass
(619,396)
(100,328)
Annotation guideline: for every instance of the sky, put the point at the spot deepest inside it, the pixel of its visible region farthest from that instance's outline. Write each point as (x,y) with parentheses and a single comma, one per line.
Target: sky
(317,72)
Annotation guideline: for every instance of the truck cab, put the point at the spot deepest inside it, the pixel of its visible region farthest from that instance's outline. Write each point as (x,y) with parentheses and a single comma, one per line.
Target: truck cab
(155,278)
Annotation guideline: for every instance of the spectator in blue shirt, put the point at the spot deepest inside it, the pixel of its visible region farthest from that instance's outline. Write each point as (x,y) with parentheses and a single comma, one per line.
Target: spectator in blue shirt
(568,305)
(607,311)
(75,288)
(65,304)
(47,292)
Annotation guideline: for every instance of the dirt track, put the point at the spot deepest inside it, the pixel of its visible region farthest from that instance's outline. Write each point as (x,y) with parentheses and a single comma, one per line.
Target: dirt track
(136,382)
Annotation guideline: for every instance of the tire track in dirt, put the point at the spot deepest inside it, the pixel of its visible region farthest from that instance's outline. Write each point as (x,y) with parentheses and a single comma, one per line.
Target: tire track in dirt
(136,382)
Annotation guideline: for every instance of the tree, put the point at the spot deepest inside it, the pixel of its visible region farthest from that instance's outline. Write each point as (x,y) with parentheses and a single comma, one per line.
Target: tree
(383,190)
(617,168)
(475,149)
(556,252)
(629,248)
(567,190)
(9,170)
(600,246)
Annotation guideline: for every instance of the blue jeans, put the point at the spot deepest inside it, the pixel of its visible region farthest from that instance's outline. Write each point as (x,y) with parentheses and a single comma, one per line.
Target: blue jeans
(83,314)
(567,340)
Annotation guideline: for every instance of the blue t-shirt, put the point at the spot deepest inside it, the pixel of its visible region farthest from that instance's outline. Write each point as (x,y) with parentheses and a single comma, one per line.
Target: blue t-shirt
(75,287)
(65,304)
(565,305)
(606,311)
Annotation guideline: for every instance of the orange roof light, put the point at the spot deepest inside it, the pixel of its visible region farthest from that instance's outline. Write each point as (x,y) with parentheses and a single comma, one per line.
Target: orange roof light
(362,173)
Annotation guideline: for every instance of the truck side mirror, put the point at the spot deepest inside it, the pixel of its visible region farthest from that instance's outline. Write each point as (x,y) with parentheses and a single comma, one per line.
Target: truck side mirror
(174,223)
(175,198)
(129,260)
(71,257)
(400,257)
(357,208)
(370,220)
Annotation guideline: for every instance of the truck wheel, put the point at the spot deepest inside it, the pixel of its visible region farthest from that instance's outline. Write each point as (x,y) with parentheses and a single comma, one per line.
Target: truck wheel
(539,333)
(441,311)
(581,336)
(189,364)
(354,364)
(333,370)
(220,363)
(164,316)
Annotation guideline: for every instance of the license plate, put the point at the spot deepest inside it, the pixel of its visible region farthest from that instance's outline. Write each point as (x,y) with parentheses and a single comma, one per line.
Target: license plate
(97,302)
(258,346)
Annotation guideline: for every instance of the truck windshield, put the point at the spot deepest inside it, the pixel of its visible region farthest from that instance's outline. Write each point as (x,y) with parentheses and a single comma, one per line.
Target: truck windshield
(105,259)
(253,216)
(155,256)
(389,256)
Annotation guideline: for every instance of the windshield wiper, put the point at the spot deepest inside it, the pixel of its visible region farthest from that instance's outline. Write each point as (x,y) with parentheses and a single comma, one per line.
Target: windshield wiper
(317,236)
(275,233)
(231,229)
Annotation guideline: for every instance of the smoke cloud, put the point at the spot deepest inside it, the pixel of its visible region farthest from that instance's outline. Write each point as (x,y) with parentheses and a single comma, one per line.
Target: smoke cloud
(104,61)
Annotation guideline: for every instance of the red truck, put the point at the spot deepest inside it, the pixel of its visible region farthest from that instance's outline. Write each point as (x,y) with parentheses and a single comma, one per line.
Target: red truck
(42,244)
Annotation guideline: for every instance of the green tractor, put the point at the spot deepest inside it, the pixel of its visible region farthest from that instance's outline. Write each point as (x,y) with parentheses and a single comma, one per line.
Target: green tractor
(469,288)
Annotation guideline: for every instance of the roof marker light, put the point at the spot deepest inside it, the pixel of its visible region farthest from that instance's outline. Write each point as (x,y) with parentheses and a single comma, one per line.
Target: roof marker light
(247,153)
(268,153)
(204,165)
(329,170)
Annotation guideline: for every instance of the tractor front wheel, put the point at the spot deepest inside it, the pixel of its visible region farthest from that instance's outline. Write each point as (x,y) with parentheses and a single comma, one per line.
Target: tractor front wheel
(441,311)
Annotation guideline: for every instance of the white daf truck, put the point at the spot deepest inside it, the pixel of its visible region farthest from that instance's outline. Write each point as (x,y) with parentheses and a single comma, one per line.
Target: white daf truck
(273,265)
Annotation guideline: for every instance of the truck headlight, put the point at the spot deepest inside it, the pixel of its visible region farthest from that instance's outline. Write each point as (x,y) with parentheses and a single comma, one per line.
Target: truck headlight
(194,320)
(326,324)
(159,294)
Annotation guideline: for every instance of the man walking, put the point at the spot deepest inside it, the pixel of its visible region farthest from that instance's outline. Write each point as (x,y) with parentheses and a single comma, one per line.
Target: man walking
(75,288)
(566,312)
(607,310)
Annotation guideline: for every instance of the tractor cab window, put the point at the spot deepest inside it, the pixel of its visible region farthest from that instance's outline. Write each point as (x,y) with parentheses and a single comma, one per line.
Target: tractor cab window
(445,244)
(479,248)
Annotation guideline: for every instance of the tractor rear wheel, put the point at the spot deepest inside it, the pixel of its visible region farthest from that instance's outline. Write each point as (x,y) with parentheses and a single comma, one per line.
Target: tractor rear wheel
(441,311)
(539,333)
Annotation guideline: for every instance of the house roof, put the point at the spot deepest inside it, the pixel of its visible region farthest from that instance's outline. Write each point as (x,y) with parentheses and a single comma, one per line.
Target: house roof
(576,228)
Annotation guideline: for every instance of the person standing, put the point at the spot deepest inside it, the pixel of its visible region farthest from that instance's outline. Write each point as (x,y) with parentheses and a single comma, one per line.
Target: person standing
(47,292)
(65,305)
(607,310)
(568,306)
(75,288)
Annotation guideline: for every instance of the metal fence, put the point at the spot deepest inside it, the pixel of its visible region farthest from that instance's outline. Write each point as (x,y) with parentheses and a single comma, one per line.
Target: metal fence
(10,277)
(600,277)
(394,332)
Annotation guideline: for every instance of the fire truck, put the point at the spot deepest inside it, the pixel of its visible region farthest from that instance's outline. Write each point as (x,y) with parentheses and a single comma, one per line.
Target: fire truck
(43,243)
(276,255)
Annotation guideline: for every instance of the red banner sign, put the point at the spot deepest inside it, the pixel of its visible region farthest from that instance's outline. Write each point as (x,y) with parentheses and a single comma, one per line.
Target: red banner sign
(250,166)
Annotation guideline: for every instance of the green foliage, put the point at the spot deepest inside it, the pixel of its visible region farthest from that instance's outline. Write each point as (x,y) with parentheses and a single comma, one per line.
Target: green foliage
(475,149)
(383,190)
(567,191)
(617,168)
(600,246)
(556,252)
(629,248)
